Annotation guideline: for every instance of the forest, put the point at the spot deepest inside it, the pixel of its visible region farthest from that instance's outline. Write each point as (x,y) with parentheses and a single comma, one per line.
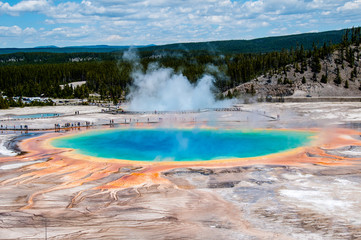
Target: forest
(108,74)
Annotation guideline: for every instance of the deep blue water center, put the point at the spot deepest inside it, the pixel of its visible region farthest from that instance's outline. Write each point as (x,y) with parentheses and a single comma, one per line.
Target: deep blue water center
(182,144)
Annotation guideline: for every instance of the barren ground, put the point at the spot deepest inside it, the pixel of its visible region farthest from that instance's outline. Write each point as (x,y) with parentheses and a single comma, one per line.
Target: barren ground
(252,201)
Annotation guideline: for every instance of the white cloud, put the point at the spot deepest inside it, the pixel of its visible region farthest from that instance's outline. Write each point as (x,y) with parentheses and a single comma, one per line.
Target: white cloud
(49,21)
(350,6)
(114,38)
(29,31)
(162,21)
(63,33)
(278,31)
(326,13)
(10,31)
(24,6)
(16,31)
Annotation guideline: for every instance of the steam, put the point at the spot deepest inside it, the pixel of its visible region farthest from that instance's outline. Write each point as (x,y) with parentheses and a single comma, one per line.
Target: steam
(131,55)
(163,90)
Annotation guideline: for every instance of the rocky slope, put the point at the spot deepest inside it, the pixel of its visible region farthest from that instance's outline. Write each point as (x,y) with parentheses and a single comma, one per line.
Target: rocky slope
(291,81)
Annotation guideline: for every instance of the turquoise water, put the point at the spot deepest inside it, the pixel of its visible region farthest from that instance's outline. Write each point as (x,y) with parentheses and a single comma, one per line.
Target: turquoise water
(180,144)
(38,115)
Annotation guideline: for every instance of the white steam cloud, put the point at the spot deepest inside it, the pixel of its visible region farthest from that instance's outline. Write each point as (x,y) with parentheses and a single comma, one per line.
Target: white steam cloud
(131,55)
(163,90)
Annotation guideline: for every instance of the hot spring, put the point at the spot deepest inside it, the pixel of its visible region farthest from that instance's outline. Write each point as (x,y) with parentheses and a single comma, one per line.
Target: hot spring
(156,145)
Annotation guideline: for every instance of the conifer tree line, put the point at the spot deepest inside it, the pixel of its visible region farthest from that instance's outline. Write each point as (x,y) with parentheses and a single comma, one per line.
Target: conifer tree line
(107,74)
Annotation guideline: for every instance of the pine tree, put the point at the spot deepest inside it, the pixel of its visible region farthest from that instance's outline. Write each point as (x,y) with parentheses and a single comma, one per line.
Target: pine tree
(314,77)
(303,80)
(297,67)
(338,79)
(253,91)
(323,79)
(315,61)
(345,39)
(229,94)
(3,103)
(303,66)
(350,56)
(354,72)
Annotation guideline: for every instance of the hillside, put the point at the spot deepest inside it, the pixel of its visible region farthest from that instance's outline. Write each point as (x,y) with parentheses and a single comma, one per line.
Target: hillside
(336,77)
(72,49)
(260,45)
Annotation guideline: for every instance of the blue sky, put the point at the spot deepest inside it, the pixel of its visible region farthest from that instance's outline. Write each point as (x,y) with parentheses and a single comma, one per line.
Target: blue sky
(31,23)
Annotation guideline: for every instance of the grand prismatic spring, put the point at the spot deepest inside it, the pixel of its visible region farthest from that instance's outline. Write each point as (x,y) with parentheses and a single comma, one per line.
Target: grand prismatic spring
(182,144)
(194,181)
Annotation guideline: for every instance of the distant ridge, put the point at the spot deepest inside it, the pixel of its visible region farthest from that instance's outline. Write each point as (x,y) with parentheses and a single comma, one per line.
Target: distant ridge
(51,46)
(259,45)
(70,49)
